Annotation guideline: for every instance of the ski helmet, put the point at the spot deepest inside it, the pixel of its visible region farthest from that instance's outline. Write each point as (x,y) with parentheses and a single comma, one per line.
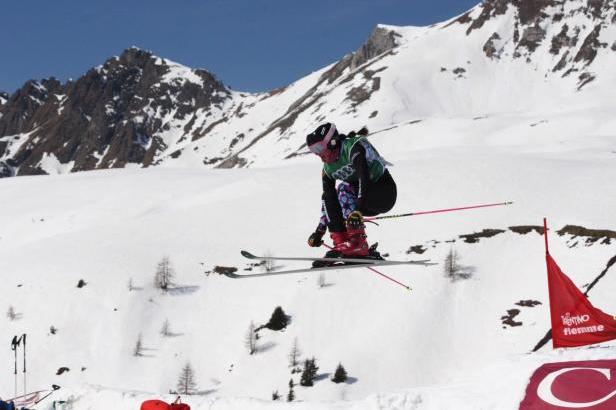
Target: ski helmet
(324,142)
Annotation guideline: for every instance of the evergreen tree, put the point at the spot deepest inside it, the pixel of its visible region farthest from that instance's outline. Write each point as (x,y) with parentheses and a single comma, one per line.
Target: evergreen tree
(275,395)
(165,330)
(164,273)
(451,265)
(291,395)
(251,339)
(186,382)
(279,320)
(340,375)
(138,351)
(294,354)
(309,373)
(11,314)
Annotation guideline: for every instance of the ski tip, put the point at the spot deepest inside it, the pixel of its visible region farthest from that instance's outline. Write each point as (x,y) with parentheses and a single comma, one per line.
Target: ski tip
(247,254)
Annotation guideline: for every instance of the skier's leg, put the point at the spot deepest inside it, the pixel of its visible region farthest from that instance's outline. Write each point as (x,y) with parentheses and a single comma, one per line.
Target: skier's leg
(355,243)
(347,199)
(334,215)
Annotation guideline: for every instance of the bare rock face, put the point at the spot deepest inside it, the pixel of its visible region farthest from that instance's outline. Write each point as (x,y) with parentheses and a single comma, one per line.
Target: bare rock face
(20,113)
(380,41)
(530,11)
(111,116)
(489,48)
(5,170)
(588,50)
(532,37)
(490,9)
(562,40)
(4,97)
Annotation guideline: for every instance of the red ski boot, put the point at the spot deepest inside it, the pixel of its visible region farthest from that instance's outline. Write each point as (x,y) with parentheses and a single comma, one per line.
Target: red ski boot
(355,244)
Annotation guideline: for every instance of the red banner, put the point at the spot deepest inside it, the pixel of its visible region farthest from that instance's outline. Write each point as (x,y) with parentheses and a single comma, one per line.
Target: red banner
(572,385)
(575,321)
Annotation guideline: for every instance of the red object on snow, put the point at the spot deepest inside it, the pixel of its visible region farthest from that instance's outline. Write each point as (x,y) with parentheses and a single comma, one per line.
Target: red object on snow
(575,321)
(155,405)
(161,405)
(572,385)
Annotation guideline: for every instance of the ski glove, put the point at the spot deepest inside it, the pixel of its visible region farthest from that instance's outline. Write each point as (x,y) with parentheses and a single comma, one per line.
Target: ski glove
(316,239)
(355,220)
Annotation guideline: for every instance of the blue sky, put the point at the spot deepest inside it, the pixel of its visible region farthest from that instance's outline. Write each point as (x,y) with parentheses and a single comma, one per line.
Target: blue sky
(251,45)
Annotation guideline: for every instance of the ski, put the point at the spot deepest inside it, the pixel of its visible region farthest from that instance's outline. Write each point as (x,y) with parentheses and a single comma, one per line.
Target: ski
(330,268)
(355,261)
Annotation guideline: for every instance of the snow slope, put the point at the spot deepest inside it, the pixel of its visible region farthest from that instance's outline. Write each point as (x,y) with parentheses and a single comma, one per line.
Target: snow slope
(441,346)
(505,130)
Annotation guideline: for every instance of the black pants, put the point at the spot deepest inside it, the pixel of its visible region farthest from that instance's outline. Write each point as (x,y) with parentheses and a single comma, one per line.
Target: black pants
(378,197)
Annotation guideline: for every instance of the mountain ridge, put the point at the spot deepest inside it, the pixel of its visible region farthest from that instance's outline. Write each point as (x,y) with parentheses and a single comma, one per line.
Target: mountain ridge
(142,110)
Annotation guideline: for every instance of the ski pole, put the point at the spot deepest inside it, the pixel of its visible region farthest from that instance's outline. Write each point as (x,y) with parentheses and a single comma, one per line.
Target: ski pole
(54,387)
(14,344)
(24,339)
(378,273)
(436,211)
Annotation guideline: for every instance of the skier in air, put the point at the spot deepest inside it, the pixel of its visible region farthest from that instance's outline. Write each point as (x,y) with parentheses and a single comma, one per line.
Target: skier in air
(366,188)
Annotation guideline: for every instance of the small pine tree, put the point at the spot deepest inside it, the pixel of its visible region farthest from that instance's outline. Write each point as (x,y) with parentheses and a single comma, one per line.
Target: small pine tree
(138,351)
(131,286)
(294,354)
(309,373)
(186,382)
(275,395)
(279,320)
(340,375)
(164,273)
(250,340)
(451,266)
(453,269)
(165,330)
(11,314)
(291,395)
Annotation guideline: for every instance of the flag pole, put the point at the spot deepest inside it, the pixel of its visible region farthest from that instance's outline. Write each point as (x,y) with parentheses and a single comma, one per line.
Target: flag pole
(550,286)
(545,234)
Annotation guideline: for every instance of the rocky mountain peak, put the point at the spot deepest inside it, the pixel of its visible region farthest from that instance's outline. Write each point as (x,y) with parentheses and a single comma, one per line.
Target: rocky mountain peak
(115,114)
(381,40)
(18,110)
(569,29)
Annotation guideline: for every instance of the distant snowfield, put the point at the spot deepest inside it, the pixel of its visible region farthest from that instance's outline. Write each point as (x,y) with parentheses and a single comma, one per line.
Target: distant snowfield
(441,346)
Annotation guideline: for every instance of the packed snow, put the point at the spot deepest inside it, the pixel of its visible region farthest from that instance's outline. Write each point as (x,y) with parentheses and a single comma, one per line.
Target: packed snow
(440,346)
(494,132)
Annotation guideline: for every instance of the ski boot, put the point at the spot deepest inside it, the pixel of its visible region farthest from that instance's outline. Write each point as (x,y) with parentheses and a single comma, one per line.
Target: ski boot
(355,245)
(350,244)
(338,238)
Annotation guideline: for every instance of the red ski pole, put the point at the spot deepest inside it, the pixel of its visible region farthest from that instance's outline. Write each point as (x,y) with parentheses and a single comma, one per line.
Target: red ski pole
(377,272)
(436,211)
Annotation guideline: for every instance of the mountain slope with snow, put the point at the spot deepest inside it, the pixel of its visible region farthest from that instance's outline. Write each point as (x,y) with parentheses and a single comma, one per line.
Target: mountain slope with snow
(464,120)
(58,230)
